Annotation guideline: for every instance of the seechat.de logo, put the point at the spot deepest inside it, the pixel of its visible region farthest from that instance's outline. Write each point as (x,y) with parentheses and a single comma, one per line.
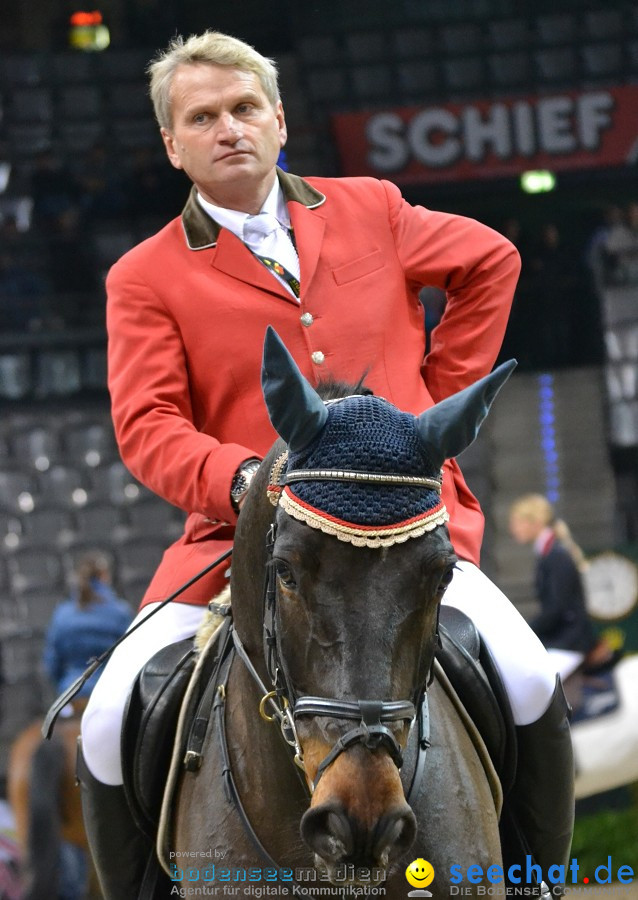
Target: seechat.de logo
(420,873)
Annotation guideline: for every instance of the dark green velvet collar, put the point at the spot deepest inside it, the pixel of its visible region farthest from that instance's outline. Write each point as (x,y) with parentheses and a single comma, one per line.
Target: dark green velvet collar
(202,231)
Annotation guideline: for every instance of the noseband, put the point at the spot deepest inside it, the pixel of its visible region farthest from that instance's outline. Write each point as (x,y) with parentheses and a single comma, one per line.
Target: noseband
(371,732)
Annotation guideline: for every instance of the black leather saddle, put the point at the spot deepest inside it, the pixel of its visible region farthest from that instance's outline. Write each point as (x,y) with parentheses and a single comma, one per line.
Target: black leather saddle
(469,665)
(154,704)
(149,728)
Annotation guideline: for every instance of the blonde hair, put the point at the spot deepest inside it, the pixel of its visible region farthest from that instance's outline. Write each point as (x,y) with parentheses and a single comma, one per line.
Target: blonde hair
(537,509)
(211,47)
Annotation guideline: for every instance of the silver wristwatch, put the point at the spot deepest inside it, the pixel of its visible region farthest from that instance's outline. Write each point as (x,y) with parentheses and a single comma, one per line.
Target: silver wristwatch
(241,481)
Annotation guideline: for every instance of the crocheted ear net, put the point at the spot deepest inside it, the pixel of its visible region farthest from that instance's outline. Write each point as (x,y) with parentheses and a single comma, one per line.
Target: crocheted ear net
(366,434)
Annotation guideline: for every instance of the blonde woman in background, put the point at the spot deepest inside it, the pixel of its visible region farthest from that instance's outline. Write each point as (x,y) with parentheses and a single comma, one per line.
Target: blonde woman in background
(563,624)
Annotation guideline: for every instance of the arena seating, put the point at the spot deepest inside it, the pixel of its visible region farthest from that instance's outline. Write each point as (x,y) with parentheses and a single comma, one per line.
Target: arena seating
(447,54)
(63,491)
(72,103)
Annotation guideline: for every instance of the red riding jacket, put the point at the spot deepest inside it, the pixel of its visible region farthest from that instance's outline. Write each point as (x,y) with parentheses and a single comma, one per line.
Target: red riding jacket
(187,312)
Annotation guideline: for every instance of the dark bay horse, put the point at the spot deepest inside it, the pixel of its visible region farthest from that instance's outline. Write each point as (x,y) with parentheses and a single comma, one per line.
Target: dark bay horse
(344,639)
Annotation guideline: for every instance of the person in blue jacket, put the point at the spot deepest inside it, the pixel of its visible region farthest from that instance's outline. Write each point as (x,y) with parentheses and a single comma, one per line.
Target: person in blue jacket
(84,625)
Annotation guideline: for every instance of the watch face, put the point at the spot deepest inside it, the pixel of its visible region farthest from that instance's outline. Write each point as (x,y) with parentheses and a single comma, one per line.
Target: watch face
(611,586)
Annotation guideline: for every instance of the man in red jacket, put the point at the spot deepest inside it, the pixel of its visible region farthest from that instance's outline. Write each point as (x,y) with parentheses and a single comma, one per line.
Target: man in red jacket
(335,266)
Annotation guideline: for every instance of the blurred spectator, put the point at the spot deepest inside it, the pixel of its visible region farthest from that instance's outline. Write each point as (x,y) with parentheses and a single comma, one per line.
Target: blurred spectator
(621,245)
(564,315)
(552,283)
(103,192)
(72,266)
(81,629)
(563,624)
(151,188)
(85,625)
(597,256)
(11,238)
(23,293)
(54,189)
(513,230)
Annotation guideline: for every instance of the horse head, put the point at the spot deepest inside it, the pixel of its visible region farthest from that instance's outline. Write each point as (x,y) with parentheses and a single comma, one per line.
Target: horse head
(360,559)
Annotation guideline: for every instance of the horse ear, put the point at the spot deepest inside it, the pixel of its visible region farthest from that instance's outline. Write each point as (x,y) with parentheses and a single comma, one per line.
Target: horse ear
(296,410)
(449,427)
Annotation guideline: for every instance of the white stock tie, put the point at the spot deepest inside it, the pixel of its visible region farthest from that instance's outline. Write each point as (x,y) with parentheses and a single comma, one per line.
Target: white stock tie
(265,236)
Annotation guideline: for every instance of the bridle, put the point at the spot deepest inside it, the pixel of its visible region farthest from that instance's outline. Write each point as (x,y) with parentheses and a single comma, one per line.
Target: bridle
(280,705)
(281,702)
(373,716)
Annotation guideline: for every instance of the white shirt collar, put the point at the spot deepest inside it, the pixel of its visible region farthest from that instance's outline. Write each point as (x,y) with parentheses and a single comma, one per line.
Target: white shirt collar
(234,220)
(541,542)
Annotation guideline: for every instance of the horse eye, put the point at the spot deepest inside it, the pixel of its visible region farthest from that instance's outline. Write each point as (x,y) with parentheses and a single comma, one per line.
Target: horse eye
(285,576)
(445,581)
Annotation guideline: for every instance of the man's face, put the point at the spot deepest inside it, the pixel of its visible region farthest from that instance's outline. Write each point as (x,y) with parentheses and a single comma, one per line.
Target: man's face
(225,134)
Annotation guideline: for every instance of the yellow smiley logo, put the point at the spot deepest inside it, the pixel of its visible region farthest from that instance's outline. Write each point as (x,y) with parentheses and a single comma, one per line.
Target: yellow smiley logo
(419,873)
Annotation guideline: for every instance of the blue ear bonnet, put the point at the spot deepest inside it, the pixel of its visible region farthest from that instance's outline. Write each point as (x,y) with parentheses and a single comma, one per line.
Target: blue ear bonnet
(366,434)
(358,468)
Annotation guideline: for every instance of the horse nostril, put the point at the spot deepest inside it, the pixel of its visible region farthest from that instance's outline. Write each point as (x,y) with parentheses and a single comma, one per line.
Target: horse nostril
(396,834)
(326,830)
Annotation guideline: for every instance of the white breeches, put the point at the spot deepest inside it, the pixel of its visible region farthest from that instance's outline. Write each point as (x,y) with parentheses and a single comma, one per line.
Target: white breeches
(527,673)
(102,719)
(566,661)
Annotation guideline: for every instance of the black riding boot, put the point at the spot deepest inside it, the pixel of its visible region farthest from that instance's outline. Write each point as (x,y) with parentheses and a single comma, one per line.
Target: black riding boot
(119,849)
(543,793)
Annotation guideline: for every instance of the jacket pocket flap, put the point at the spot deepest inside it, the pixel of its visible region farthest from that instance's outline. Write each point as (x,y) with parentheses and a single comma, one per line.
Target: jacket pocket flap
(357,268)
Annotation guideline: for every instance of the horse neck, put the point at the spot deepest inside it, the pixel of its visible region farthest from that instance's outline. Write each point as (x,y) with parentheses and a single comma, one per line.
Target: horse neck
(248,569)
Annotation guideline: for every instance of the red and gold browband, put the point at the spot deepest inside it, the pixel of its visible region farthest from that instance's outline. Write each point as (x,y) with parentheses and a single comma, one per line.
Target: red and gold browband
(362,535)
(282,494)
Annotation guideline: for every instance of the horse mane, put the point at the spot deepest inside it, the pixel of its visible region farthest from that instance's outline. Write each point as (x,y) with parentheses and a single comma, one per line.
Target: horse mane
(334,389)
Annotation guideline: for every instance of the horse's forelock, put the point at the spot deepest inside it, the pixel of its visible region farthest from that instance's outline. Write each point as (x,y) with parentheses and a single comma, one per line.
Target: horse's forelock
(333,389)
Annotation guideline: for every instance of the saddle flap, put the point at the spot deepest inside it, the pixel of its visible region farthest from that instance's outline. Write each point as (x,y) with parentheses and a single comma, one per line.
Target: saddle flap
(469,665)
(461,629)
(148,730)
